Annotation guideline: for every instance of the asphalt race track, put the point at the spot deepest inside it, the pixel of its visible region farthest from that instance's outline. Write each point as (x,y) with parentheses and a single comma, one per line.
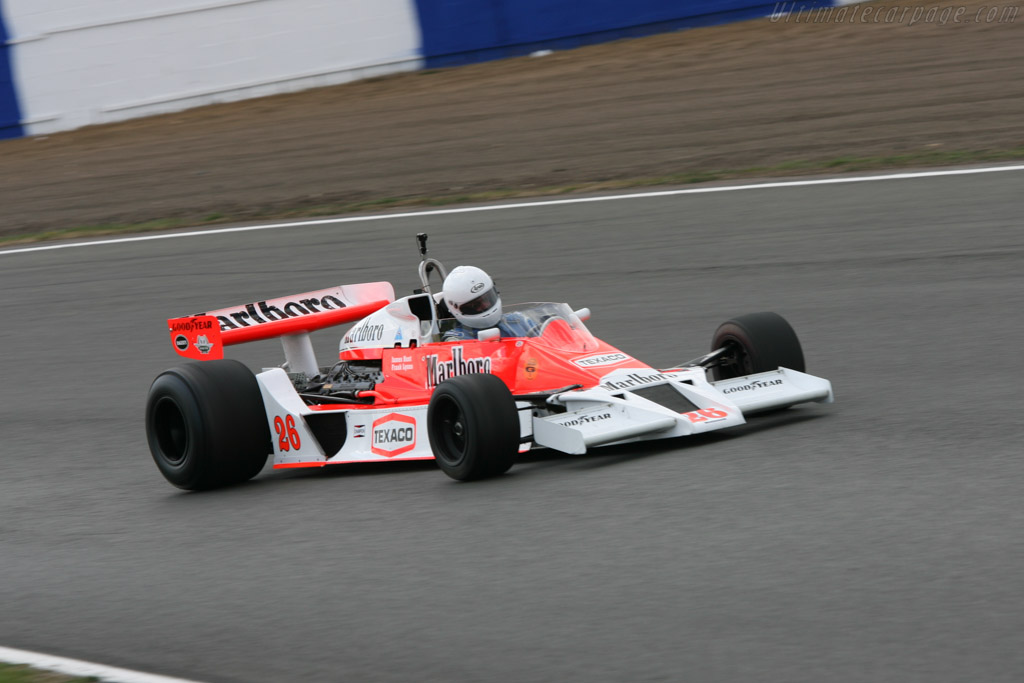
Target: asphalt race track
(877,539)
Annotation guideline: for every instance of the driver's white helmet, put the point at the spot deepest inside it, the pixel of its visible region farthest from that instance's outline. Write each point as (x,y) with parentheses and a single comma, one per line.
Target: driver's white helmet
(472,297)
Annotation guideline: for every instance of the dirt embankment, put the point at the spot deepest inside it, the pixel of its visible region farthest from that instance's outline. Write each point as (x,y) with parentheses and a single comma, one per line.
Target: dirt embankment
(757,94)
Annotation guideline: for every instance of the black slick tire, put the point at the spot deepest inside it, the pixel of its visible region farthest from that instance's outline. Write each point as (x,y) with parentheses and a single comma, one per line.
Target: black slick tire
(206,425)
(757,342)
(473,426)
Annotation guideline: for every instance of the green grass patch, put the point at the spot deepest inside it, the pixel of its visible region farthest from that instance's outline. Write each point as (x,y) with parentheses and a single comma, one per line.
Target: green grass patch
(844,164)
(19,673)
(85,231)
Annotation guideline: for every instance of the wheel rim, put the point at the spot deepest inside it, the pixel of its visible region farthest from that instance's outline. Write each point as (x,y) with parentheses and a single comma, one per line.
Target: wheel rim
(450,428)
(171,431)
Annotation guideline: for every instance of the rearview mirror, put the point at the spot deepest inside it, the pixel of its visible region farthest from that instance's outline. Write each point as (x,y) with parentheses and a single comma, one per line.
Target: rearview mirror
(488,334)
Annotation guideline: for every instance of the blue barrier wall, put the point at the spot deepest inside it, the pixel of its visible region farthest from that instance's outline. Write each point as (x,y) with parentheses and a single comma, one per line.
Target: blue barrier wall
(10,112)
(463,31)
(236,49)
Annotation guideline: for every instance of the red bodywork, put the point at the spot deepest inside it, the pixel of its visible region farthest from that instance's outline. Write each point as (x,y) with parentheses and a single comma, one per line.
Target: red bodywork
(560,357)
(554,360)
(200,337)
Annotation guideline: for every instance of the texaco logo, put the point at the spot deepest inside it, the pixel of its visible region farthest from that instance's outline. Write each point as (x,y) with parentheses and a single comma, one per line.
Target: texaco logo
(393,434)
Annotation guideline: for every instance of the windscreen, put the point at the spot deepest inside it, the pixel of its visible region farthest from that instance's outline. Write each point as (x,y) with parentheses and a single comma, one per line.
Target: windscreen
(550,324)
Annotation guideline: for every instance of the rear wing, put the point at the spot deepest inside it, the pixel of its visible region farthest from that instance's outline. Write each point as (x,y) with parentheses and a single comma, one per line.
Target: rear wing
(203,336)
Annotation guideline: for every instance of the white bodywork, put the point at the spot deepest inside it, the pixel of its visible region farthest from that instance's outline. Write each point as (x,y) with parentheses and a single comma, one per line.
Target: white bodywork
(394,325)
(371,433)
(612,412)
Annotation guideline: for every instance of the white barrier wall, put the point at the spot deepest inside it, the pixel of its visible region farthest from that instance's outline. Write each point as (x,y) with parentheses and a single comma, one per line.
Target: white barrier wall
(81,62)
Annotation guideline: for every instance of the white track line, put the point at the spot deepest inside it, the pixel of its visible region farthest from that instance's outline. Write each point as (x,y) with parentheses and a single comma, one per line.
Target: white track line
(76,667)
(526,205)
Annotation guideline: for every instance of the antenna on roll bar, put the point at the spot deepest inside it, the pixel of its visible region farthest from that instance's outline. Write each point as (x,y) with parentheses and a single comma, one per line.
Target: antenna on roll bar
(427,264)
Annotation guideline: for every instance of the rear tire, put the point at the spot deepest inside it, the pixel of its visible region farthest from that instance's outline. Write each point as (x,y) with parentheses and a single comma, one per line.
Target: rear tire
(206,425)
(758,342)
(473,426)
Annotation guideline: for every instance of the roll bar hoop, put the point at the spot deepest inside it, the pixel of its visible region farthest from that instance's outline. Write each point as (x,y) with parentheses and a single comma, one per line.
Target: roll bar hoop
(428,265)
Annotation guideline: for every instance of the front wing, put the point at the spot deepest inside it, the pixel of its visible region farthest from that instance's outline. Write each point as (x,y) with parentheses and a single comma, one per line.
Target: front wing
(677,403)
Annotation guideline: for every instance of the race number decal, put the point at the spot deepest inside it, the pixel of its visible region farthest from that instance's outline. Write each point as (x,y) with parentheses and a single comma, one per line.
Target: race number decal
(287,437)
(706,415)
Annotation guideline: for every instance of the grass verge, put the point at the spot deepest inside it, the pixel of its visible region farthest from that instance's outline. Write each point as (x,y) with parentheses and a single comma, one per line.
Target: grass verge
(19,673)
(846,164)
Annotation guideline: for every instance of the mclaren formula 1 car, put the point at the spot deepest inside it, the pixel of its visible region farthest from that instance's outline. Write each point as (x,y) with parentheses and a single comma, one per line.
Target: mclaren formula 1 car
(400,393)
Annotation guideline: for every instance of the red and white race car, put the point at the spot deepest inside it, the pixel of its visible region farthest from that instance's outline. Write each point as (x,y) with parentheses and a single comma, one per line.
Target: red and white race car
(399,393)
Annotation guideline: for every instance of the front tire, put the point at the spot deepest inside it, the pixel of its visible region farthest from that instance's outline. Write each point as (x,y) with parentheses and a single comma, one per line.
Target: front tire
(206,425)
(473,426)
(757,342)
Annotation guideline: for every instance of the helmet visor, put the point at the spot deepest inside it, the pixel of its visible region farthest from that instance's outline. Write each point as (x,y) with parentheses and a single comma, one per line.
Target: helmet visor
(481,304)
